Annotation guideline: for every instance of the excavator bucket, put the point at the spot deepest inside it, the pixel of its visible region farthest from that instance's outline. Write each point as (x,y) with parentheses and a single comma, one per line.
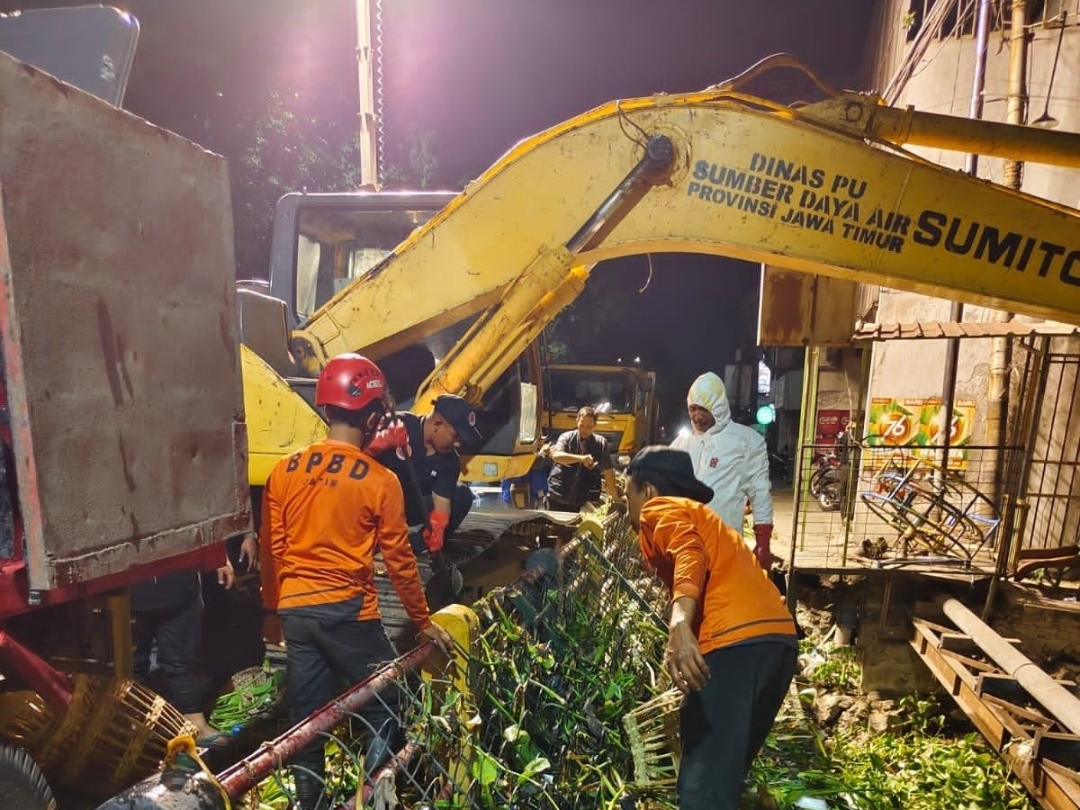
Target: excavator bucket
(118,323)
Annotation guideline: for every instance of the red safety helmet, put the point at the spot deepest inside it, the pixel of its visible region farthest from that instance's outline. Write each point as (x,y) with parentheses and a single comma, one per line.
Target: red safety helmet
(350,381)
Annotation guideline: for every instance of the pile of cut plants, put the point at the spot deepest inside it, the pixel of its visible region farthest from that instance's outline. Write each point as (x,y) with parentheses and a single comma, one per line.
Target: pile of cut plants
(833,747)
(564,657)
(560,660)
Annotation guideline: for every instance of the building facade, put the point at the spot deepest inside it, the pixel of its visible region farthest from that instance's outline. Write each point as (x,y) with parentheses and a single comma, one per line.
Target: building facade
(922,53)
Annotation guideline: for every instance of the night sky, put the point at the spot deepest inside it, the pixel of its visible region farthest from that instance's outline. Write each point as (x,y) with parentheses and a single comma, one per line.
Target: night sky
(481,75)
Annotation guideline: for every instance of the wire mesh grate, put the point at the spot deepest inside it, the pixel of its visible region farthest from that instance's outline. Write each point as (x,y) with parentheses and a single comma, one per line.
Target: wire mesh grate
(558,660)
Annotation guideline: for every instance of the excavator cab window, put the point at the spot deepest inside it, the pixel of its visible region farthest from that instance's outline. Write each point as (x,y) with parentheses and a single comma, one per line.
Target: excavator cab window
(325,245)
(338,244)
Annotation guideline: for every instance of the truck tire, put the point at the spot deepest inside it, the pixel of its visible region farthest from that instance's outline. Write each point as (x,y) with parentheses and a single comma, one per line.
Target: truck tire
(22,785)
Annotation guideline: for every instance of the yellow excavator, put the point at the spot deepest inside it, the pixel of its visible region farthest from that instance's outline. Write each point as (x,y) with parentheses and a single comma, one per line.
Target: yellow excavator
(824,188)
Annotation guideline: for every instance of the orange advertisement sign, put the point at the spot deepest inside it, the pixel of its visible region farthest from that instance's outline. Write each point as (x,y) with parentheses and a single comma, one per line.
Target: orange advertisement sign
(916,426)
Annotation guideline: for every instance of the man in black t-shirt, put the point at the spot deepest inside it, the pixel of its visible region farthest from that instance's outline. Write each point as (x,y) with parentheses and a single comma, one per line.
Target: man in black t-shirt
(582,463)
(423,452)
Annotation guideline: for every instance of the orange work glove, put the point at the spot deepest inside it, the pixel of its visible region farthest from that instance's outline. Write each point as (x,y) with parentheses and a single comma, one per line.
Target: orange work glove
(763,535)
(436,529)
(393,437)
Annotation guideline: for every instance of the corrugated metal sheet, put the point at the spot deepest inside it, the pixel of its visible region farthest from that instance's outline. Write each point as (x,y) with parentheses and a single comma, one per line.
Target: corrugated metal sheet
(119,327)
(936,330)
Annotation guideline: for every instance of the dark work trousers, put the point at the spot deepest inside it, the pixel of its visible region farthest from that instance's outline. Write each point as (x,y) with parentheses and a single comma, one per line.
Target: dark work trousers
(177,631)
(558,505)
(460,505)
(232,621)
(725,723)
(444,585)
(326,657)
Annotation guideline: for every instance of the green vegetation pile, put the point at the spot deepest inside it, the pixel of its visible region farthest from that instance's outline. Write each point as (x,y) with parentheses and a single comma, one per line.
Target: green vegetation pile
(923,760)
(565,654)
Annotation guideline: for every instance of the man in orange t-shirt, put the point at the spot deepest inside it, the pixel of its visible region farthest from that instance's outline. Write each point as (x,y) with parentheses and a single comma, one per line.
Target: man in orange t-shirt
(325,511)
(731,642)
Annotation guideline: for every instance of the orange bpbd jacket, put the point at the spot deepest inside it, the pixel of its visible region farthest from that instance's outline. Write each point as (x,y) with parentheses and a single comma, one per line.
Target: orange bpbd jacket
(696,555)
(325,511)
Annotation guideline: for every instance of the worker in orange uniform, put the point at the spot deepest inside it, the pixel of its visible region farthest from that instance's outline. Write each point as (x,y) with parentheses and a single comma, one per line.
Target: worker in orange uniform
(731,645)
(326,509)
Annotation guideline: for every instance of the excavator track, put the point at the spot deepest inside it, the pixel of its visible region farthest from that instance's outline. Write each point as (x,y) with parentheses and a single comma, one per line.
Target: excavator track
(1032,742)
(480,534)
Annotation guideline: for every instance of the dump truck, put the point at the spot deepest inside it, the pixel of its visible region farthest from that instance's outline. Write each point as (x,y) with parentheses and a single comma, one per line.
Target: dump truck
(122,435)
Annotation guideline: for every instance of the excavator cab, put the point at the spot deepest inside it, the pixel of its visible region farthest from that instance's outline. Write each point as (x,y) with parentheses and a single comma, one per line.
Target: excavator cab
(324,248)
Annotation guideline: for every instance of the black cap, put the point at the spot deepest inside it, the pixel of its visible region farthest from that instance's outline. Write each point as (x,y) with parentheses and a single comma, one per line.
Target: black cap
(462,418)
(674,466)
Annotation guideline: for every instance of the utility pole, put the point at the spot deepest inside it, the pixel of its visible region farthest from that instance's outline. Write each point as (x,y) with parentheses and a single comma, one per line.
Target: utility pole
(956,313)
(997,404)
(366,58)
(1013,174)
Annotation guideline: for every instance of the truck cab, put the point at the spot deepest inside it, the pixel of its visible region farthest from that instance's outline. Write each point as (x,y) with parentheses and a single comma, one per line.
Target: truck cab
(624,398)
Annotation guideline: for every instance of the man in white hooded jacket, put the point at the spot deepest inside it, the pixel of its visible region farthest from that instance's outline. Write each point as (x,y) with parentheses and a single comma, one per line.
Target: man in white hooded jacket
(731,459)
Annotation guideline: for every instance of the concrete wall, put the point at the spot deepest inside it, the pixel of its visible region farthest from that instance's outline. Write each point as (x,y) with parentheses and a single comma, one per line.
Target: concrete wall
(1047,628)
(915,368)
(942,84)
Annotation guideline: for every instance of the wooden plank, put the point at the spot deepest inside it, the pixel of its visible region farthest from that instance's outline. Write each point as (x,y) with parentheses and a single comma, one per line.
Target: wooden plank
(971,663)
(1053,786)
(1061,748)
(1060,790)
(1032,716)
(961,643)
(1002,686)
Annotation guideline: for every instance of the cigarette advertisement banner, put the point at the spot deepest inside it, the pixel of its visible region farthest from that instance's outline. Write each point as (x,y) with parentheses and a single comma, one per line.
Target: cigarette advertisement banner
(905,431)
(829,425)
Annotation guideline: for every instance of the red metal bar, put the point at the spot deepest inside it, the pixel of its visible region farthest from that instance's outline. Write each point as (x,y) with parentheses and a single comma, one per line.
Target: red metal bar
(403,758)
(248,772)
(53,686)
(14,599)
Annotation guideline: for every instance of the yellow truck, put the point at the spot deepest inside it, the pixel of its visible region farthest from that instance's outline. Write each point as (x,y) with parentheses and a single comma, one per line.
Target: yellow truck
(624,398)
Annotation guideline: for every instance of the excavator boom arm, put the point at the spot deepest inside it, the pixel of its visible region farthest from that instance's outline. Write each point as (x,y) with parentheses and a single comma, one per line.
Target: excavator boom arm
(749,181)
